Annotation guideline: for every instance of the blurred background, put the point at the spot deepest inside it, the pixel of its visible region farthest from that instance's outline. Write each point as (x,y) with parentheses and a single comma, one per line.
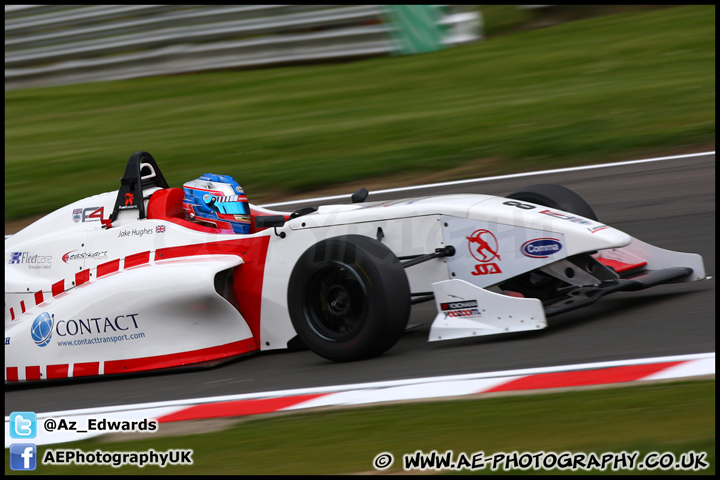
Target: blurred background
(297,98)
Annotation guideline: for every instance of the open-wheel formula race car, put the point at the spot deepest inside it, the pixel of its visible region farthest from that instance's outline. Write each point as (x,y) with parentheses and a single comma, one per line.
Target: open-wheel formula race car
(127,281)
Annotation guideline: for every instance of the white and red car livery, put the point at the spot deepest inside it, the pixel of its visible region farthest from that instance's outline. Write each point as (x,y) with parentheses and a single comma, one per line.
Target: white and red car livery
(122,282)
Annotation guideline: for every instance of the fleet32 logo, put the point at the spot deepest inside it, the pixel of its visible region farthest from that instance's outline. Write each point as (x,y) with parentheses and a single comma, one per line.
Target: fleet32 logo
(484,248)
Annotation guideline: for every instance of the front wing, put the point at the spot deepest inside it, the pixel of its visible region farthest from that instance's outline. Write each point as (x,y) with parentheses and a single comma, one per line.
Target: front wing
(466,310)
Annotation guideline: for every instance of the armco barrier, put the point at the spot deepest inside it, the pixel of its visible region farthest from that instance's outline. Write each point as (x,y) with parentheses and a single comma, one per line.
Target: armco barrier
(56,45)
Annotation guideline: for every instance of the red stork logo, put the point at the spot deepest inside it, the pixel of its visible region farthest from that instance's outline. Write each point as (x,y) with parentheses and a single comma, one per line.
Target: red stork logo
(129,197)
(483,247)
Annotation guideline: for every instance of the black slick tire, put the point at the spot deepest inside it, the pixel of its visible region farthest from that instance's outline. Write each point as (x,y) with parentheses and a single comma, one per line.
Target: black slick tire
(348,298)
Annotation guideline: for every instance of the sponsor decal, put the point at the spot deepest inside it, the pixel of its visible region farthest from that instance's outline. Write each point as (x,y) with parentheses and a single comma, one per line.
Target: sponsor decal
(458,305)
(135,232)
(7,340)
(88,214)
(520,205)
(69,256)
(91,214)
(462,308)
(45,326)
(32,261)
(129,202)
(541,247)
(42,329)
(568,217)
(597,229)
(483,247)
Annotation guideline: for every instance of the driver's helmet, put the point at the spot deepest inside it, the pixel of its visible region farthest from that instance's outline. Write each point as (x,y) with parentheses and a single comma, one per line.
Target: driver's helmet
(217,200)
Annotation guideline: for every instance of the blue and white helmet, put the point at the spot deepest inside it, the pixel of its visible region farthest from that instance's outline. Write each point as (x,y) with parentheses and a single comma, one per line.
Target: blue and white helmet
(217,200)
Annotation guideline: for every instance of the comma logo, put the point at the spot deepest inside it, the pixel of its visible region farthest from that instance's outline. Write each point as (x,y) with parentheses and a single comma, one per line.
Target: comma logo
(541,247)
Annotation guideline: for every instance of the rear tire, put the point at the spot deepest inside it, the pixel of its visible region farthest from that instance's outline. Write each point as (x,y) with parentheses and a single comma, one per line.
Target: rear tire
(349,298)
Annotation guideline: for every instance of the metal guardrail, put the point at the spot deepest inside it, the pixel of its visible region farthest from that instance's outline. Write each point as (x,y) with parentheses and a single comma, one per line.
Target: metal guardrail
(55,45)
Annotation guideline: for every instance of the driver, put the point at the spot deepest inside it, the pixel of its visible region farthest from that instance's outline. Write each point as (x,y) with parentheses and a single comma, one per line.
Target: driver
(218,201)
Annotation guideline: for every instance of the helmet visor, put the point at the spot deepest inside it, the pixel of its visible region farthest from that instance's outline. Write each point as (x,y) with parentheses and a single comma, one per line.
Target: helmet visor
(235,205)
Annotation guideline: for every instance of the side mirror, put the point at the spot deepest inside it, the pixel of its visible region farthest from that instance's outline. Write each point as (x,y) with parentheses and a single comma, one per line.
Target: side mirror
(266,221)
(360,195)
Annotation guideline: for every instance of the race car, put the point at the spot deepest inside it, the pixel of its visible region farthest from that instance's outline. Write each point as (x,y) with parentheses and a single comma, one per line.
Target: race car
(151,277)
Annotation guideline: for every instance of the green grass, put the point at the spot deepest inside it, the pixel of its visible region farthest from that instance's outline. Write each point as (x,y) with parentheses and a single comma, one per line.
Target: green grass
(667,417)
(587,91)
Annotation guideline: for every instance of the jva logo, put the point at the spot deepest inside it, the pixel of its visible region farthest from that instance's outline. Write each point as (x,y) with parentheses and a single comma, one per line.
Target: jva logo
(483,247)
(487,269)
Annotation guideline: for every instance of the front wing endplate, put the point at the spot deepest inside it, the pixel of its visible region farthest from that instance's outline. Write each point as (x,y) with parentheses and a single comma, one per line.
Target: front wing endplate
(465,310)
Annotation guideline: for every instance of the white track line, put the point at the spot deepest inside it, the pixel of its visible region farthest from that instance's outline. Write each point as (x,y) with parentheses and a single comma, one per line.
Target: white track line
(500,177)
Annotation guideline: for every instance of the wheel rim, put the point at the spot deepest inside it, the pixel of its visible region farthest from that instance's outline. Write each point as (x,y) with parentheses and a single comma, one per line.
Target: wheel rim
(336,302)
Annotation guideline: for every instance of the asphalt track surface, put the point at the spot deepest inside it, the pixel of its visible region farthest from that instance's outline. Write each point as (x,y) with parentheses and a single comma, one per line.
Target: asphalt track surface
(670,204)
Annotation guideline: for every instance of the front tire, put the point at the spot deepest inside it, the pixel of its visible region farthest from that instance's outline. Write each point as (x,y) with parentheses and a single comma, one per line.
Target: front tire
(555,196)
(349,298)
(538,284)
